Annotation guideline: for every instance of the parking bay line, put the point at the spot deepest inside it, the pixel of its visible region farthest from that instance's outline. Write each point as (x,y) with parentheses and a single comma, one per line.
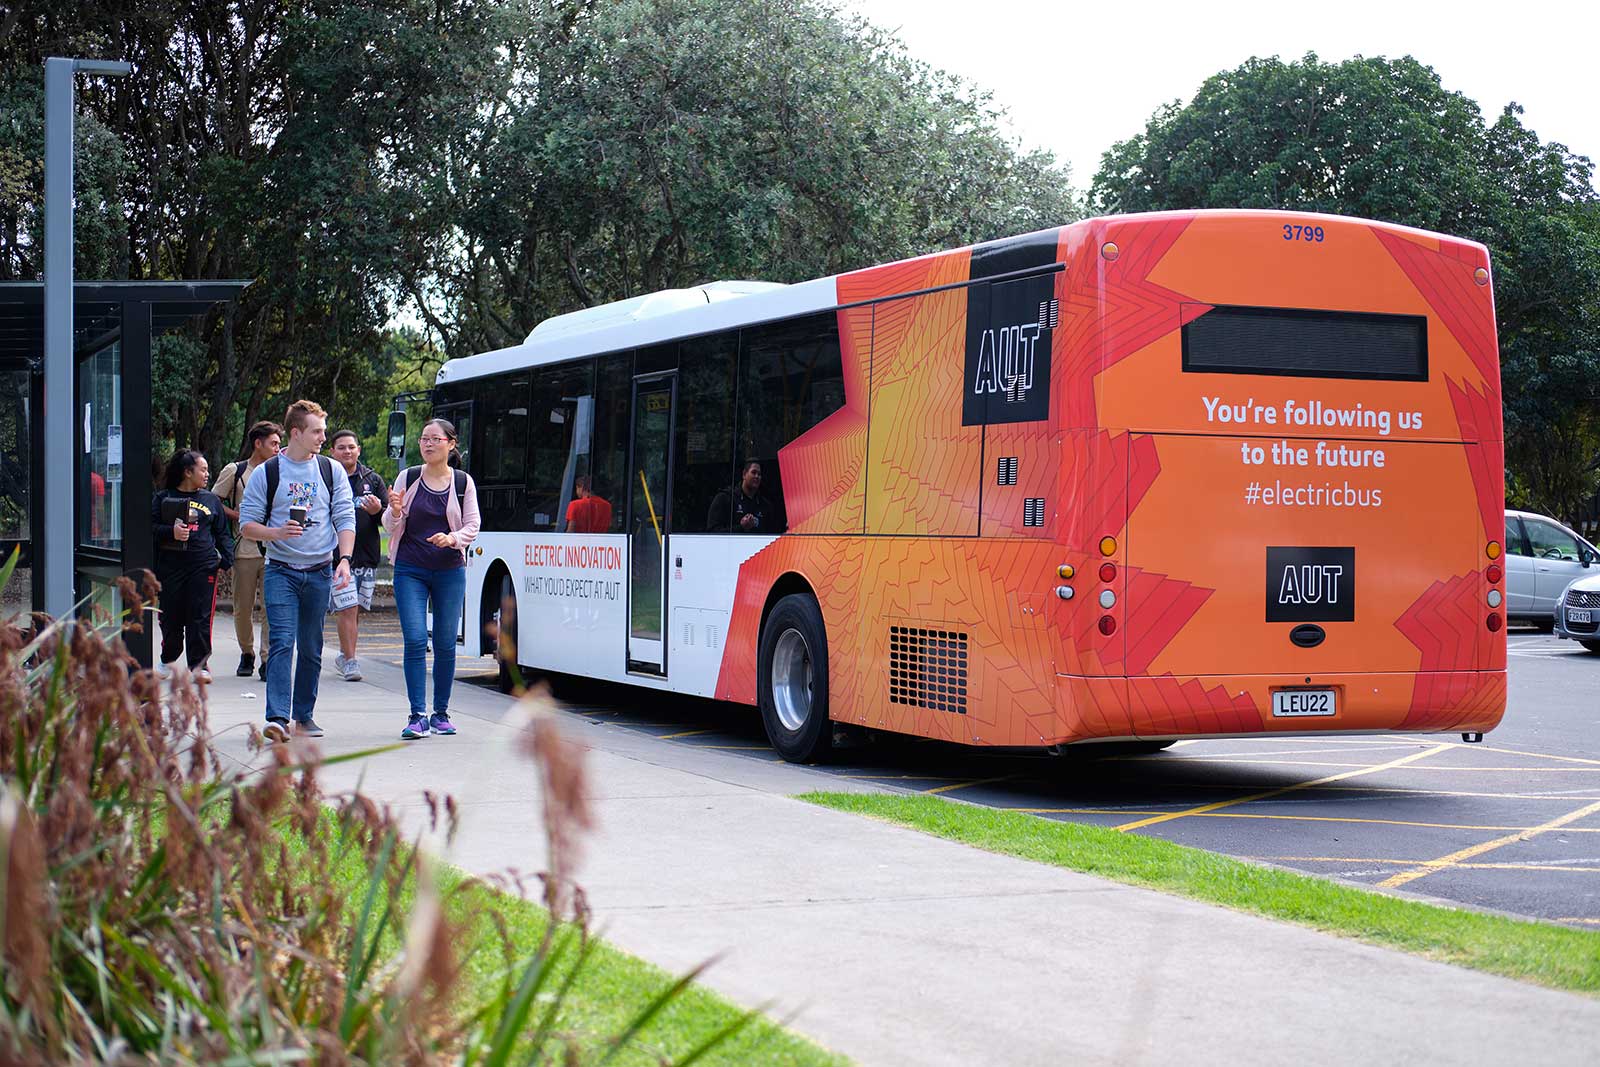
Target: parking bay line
(1287,818)
(1388,861)
(1455,858)
(964,785)
(1170,816)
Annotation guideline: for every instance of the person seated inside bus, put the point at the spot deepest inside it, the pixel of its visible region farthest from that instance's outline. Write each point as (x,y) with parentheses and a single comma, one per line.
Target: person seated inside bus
(588,513)
(742,508)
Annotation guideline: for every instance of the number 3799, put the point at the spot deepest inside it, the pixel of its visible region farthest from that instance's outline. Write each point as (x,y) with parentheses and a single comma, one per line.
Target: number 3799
(1296,232)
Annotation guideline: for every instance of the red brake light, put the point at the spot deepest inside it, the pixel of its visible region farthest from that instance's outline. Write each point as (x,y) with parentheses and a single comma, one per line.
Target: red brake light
(1108,571)
(1493,574)
(1108,625)
(1494,624)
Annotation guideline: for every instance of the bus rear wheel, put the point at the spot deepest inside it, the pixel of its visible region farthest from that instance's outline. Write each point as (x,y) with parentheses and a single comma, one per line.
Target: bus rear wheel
(792,680)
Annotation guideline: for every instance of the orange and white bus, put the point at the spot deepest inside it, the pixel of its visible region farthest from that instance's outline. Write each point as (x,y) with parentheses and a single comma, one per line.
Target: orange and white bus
(1139,478)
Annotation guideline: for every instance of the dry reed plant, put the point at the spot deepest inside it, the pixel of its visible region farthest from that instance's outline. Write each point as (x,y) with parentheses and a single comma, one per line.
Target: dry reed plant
(159,909)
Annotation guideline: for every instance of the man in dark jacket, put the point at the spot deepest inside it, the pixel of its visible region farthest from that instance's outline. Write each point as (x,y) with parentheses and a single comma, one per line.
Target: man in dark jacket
(369,492)
(743,509)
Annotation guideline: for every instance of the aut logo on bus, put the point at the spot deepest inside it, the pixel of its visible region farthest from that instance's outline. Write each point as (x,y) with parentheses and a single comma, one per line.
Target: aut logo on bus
(1006,355)
(1311,584)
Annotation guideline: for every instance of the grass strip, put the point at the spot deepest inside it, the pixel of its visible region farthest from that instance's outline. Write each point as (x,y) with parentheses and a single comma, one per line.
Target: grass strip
(1544,953)
(610,991)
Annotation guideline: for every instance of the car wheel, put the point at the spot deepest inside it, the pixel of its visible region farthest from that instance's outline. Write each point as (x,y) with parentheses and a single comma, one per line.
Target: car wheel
(506,636)
(792,680)
(1592,646)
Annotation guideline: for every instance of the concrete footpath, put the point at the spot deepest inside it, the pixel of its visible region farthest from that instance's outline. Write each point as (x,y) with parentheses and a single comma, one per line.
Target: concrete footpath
(897,948)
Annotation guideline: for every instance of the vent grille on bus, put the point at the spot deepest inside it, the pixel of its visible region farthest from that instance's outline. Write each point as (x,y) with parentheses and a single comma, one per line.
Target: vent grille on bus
(928,668)
(1033,511)
(1006,471)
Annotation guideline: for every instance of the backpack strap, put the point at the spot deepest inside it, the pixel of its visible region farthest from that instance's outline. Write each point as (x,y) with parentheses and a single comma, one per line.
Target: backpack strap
(326,466)
(270,469)
(413,473)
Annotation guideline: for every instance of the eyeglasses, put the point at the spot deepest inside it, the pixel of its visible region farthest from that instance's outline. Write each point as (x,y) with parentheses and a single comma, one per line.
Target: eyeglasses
(432,440)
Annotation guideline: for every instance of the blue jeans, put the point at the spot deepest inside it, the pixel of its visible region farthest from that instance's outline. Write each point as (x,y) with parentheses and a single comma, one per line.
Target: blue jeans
(413,586)
(297,602)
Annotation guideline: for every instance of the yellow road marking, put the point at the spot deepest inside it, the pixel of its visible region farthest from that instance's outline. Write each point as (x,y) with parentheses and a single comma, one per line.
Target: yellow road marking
(1403,863)
(1201,810)
(964,785)
(1536,755)
(1456,858)
(686,733)
(1287,818)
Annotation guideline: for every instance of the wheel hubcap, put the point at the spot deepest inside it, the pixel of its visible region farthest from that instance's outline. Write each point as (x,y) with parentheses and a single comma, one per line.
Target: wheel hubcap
(791,680)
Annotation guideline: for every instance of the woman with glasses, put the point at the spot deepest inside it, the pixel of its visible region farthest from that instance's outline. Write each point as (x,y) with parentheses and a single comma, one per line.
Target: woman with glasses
(432,517)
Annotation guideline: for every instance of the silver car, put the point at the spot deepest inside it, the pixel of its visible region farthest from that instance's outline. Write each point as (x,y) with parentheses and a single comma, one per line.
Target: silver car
(1578,613)
(1542,557)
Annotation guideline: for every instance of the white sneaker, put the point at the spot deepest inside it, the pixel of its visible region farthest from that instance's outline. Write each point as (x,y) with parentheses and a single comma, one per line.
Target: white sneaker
(163,671)
(203,675)
(350,668)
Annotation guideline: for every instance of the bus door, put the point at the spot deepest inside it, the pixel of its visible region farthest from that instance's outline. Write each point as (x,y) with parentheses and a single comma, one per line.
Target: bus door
(648,521)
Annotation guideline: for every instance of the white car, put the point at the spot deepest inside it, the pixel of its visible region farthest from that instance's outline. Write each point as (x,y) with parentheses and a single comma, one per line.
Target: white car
(1543,557)
(1578,613)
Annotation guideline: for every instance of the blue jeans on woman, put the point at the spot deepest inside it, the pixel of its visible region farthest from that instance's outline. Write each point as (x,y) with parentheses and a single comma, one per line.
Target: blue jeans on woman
(413,587)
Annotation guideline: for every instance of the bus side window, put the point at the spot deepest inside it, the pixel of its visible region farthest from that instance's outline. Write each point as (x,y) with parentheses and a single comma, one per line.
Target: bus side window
(608,454)
(563,418)
(703,449)
(791,377)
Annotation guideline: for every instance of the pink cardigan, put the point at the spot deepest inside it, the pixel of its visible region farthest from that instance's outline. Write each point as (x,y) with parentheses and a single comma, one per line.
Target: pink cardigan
(464,526)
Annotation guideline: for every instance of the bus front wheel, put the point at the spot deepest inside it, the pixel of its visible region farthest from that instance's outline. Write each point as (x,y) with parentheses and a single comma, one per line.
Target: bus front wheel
(505,644)
(792,672)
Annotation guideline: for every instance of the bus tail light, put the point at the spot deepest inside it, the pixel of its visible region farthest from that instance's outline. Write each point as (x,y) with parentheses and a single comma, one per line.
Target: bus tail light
(1108,545)
(1494,574)
(1492,549)
(1108,625)
(1064,592)
(1494,598)
(1494,623)
(1066,571)
(1108,572)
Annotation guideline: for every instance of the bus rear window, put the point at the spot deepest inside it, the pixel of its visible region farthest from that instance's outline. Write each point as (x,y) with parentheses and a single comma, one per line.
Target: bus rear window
(1307,344)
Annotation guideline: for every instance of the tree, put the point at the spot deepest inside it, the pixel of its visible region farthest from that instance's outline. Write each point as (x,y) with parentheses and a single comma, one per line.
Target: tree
(660,143)
(1384,139)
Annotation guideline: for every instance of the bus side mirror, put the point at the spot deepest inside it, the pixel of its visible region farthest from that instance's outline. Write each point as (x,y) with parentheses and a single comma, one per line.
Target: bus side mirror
(397,435)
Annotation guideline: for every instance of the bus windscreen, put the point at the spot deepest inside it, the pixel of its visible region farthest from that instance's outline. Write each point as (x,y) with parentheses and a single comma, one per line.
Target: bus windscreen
(1306,343)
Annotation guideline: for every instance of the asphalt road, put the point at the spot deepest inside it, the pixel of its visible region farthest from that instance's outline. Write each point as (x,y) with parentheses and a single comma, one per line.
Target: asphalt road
(1510,824)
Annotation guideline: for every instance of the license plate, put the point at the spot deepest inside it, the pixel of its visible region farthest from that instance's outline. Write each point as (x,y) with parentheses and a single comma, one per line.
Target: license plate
(1582,615)
(1293,703)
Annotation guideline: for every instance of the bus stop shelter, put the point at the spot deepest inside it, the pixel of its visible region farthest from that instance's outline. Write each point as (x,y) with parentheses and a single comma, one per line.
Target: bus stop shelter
(111,477)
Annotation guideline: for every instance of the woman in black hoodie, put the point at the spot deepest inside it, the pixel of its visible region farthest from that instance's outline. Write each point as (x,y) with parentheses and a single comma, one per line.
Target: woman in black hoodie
(192,545)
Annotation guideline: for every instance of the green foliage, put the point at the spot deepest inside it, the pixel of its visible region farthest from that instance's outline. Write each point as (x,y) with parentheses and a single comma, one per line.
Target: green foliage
(485,164)
(658,143)
(1383,139)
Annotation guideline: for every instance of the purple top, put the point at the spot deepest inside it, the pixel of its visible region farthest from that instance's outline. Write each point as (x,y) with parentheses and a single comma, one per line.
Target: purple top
(426,518)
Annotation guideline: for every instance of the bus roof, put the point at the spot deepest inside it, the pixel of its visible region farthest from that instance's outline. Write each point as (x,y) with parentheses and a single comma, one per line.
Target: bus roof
(715,306)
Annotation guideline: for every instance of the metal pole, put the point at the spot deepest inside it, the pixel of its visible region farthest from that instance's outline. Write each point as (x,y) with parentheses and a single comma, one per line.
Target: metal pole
(59,488)
(60,474)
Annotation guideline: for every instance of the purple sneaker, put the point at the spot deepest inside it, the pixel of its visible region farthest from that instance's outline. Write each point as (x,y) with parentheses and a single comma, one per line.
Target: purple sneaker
(439,721)
(416,727)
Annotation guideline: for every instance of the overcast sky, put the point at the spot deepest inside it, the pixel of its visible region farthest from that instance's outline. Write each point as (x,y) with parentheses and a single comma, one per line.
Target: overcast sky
(1077,77)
